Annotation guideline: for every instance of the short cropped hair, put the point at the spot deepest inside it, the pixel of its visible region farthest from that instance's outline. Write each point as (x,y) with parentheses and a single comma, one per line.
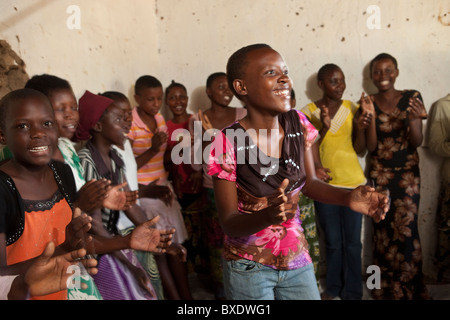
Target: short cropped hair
(114,95)
(145,82)
(238,62)
(212,77)
(46,83)
(325,69)
(9,101)
(383,56)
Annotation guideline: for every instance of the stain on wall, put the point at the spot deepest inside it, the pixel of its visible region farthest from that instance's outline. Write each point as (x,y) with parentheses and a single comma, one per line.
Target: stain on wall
(12,70)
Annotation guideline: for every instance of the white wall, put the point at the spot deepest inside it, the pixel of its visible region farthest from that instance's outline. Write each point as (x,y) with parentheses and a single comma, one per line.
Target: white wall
(186,40)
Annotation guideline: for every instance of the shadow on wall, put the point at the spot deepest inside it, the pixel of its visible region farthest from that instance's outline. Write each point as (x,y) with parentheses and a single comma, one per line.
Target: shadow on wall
(198,100)
(367,84)
(312,91)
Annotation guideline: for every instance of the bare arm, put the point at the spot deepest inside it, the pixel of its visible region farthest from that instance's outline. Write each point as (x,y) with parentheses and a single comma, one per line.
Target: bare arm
(415,116)
(237,224)
(363,199)
(159,138)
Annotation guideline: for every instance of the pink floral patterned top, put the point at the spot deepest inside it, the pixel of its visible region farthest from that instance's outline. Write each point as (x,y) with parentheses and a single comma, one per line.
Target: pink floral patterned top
(235,157)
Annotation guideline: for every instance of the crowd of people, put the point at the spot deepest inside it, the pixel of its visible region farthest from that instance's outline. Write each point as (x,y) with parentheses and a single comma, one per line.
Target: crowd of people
(93,184)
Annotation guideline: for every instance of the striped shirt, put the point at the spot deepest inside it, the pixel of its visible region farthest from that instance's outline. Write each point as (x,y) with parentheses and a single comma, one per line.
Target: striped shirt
(141,140)
(91,171)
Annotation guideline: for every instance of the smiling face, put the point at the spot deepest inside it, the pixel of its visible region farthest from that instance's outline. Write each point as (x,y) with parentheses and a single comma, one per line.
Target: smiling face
(265,84)
(219,92)
(30,131)
(125,106)
(112,125)
(65,106)
(383,74)
(177,100)
(333,84)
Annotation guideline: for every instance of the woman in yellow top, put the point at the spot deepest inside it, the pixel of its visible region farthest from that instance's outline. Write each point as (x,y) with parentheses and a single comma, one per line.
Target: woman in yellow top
(341,139)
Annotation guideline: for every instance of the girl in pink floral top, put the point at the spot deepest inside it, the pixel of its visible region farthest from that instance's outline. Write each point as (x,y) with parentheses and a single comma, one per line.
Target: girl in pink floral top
(259,164)
(279,246)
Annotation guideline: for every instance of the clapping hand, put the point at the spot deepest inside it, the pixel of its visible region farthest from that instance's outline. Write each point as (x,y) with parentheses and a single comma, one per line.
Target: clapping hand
(280,208)
(49,274)
(145,237)
(366,200)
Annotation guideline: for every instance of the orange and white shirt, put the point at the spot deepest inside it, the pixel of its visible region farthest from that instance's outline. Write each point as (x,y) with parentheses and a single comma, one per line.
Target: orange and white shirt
(141,140)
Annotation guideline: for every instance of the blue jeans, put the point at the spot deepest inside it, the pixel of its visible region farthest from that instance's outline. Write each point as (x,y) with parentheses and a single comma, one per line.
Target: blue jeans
(342,228)
(250,280)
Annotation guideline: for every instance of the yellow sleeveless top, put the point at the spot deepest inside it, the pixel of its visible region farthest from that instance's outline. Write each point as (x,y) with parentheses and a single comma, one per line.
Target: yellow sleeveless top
(336,150)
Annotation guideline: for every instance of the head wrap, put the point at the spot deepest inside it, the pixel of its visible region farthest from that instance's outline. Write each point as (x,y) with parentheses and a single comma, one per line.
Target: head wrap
(90,107)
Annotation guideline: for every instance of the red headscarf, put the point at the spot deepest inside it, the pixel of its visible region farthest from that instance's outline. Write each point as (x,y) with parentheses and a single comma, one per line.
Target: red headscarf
(90,107)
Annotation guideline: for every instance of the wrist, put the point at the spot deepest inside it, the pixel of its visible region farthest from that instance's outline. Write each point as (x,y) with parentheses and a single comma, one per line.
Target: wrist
(19,288)
(153,150)
(323,131)
(210,133)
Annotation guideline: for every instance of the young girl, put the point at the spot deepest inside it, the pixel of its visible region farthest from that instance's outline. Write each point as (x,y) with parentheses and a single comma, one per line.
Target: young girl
(257,184)
(186,181)
(218,116)
(95,193)
(342,138)
(124,224)
(38,194)
(394,135)
(32,215)
(104,125)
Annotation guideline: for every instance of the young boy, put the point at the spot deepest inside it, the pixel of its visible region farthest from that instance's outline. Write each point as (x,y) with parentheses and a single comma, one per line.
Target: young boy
(148,137)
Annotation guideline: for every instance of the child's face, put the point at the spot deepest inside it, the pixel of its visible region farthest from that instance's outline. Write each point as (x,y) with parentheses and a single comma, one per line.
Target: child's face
(112,122)
(333,84)
(384,73)
(265,83)
(150,100)
(31,132)
(65,106)
(125,106)
(219,92)
(177,101)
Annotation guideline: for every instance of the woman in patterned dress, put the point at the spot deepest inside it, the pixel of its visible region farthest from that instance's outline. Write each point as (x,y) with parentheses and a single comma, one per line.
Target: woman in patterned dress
(393,137)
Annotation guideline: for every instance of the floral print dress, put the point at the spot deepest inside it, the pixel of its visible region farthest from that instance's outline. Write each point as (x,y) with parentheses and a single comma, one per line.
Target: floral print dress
(395,166)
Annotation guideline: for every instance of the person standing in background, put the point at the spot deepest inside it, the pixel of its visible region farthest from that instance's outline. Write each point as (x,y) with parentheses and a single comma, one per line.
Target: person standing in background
(439,143)
(341,125)
(393,137)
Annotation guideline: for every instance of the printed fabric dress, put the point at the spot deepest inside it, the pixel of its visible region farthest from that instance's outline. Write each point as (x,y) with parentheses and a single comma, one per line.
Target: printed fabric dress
(283,246)
(395,166)
(114,279)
